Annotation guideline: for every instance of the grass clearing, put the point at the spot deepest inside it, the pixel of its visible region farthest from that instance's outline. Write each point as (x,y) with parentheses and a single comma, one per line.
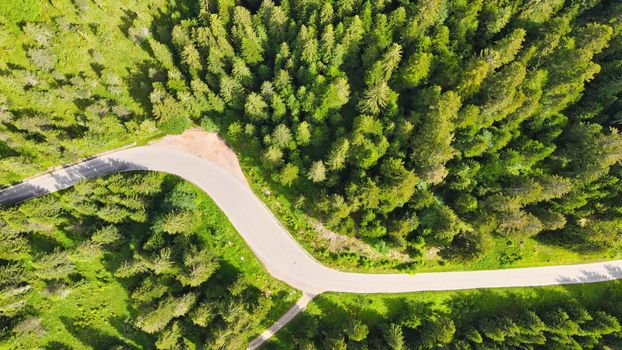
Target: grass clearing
(499,252)
(330,316)
(93,307)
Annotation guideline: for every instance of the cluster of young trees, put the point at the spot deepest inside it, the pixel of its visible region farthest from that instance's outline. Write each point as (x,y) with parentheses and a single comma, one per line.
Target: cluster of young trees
(150,234)
(467,320)
(435,122)
(178,287)
(71,80)
(441,121)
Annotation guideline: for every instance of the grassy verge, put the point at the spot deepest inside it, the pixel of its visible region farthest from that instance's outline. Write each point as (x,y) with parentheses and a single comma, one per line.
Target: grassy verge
(498,253)
(514,253)
(230,247)
(330,317)
(93,306)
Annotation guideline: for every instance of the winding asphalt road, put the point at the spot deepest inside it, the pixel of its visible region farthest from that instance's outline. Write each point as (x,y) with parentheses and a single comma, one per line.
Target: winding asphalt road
(282,257)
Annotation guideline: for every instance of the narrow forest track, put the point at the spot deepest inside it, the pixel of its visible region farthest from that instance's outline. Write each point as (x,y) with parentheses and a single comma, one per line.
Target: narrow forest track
(280,254)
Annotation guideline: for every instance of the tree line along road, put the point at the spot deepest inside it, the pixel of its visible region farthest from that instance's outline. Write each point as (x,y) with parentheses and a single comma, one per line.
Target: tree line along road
(280,254)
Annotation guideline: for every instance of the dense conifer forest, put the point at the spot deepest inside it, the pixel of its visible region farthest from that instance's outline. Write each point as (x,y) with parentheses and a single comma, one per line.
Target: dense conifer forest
(448,127)
(414,124)
(130,262)
(425,123)
(571,317)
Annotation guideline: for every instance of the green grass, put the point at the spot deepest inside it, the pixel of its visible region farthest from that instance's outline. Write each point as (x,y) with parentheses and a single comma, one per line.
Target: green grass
(95,46)
(92,314)
(230,247)
(333,310)
(514,253)
(499,252)
(94,310)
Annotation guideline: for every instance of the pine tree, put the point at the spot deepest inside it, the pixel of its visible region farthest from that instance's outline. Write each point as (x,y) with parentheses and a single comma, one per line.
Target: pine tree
(289,174)
(303,133)
(338,154)
(317,172)
(368,143)
(156,319)
(56,265)
(169,337)
(281,136)
(199,266)
(398,184)
(178,222)
(416,68)
(246,36)
(426,15)
(357,330)
(432,148)
(255,107)
(394,337)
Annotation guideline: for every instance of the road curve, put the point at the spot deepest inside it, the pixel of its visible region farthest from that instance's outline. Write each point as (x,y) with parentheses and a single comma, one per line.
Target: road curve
(282,257)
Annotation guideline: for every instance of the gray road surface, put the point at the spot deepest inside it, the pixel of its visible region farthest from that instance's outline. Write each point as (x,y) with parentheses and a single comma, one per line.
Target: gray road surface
(277,250)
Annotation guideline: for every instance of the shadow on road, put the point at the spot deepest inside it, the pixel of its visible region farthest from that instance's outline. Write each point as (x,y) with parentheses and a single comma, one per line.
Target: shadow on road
(613,272)
(64,178)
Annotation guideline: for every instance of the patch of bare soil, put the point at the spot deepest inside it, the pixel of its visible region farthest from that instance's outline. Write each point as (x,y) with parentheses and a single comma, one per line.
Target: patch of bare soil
(341,243)
(432,253)
(206,145)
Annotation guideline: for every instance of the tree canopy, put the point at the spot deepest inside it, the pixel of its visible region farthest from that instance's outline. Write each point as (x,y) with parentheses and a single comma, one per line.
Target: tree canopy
(469,118)
(413,124)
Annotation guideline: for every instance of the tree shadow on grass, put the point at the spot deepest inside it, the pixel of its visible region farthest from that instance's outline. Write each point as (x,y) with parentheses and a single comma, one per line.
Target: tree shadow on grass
(226,274)
(139,82)
(56,345)
(278,308)
(6,150)
(575,243)
(93,337)
(334,314)
(42,244)
(330,323)
(136,335)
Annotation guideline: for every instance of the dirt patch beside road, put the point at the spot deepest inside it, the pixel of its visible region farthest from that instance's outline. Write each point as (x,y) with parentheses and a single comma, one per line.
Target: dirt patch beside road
(206,145)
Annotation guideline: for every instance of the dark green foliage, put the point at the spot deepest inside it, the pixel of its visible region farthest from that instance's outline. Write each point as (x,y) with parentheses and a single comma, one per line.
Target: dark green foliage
(148,248)
(467,117)
(577,317)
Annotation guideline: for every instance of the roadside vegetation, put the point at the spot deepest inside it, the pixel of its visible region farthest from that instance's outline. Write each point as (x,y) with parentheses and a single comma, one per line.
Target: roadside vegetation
(130,262)
(570,317)
(426,135)
(443,130)
(74,80)
(350,253)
